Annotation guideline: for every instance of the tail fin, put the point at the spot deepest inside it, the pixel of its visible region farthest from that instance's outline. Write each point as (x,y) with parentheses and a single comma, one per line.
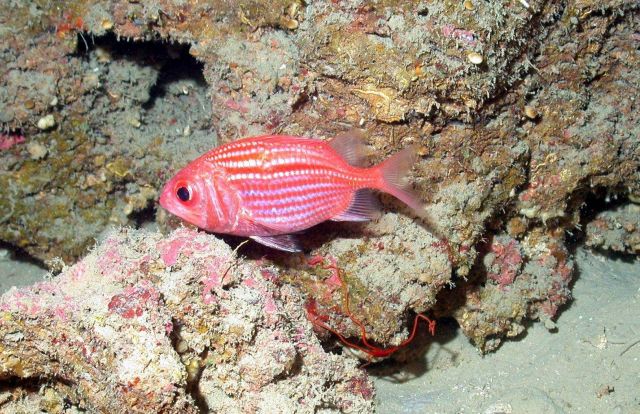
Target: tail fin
(393,178)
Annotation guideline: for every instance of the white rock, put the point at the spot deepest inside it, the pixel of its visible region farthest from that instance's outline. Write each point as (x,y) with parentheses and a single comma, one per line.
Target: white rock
(46,122)
(37,150)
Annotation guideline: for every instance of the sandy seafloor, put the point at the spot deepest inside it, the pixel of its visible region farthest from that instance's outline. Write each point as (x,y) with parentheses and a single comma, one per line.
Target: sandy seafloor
(590,363)
(581,367)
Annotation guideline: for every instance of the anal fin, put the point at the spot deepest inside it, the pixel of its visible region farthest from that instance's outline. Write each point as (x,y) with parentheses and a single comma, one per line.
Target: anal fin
(285,242)
(364,207)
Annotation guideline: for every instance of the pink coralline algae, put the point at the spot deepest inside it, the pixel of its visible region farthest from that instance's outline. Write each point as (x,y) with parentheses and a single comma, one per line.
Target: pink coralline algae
(35,302)
(504,261)
(183,243)
(516,280)
(9,140)
(465,36)
(133,300)
(239,106)
(540,187)
(560,270)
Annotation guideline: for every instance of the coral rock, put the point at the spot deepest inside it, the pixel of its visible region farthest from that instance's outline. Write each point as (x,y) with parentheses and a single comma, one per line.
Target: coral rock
(176,324)
(617,230)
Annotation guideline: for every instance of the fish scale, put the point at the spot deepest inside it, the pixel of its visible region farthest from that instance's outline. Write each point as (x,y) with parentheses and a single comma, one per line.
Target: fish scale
(279,174)
(282,200)
(268,187)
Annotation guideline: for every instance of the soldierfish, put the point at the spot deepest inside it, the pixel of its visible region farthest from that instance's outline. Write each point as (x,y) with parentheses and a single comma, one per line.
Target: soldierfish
(269,187)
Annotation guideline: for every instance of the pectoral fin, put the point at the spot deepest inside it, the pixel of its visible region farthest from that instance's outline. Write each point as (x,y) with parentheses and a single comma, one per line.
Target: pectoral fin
(286,242)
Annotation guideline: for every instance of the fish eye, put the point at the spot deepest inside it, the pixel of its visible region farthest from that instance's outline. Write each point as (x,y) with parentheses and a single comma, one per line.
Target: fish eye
(183,193)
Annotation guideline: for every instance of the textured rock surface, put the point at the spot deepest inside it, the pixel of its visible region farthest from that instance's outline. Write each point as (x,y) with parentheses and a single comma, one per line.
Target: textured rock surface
(176,324)
(617,230)
(515,281)
(520,115)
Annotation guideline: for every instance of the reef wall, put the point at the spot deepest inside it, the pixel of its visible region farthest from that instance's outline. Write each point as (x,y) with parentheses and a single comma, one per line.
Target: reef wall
(523,113)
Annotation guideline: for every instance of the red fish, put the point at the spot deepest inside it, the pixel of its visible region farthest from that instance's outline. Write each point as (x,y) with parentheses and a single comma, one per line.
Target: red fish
(272,186)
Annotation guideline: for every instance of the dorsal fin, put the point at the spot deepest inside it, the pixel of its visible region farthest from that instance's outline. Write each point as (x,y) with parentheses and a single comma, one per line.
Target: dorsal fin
(350,145)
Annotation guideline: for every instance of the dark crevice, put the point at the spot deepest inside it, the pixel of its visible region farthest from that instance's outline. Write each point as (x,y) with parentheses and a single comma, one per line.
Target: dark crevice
(597,201)
(192,387)
(144,217)
(20,255)
(172,59)
(35,385)
(183,67)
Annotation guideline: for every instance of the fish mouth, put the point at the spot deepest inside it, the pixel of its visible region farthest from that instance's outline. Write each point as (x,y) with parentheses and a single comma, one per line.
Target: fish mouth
(169,202)
(164,197)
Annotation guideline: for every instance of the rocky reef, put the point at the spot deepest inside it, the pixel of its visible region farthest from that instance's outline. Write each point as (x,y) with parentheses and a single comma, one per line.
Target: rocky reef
(148,323)
(616,230)
(524,114)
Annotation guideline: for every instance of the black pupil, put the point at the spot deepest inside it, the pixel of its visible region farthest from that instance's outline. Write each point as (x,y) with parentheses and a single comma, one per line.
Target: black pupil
(183,193)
